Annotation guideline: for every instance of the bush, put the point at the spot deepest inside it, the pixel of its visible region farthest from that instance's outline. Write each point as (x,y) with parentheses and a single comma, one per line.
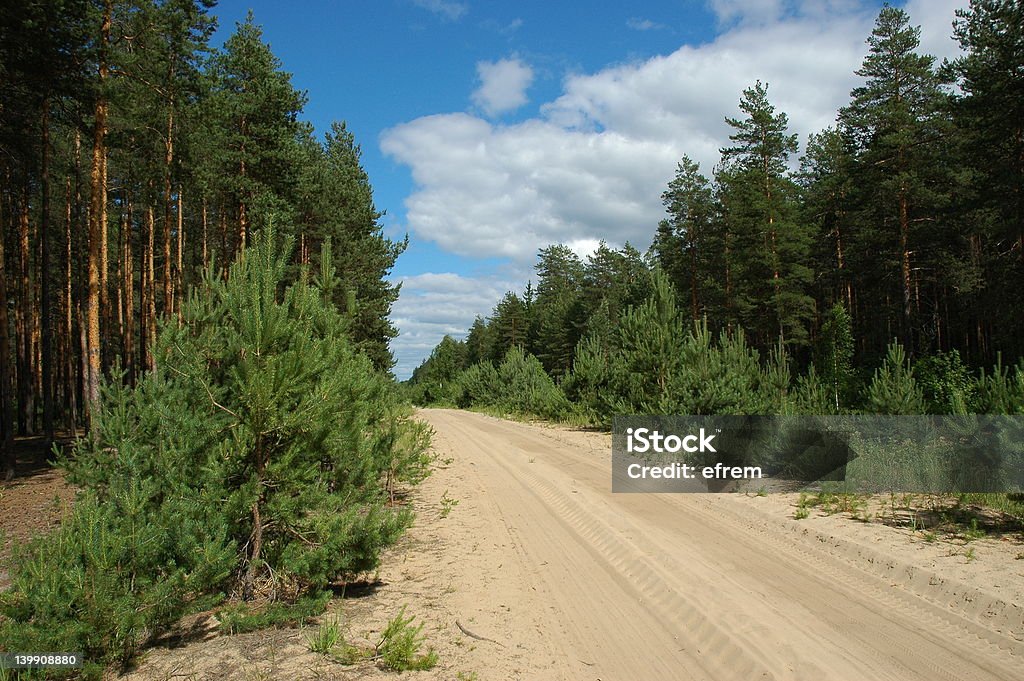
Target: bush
(256,460)
(946,384)
(525,388)
(894,390)
(400,645)
(1001,392)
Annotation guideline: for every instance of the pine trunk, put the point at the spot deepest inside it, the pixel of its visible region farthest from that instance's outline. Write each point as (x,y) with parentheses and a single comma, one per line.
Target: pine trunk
(7,458)
(46,331)
(24,325)
(128,293)
(97,230)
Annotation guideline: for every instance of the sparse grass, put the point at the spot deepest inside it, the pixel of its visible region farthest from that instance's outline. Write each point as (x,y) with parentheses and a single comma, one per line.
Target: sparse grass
(970,555)
(326,637)
(800,513)
(930,537)
(239,618)
(973,532)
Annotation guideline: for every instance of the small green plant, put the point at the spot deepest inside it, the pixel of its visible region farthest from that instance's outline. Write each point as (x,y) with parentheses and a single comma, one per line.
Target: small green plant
(974,532)
(970,555)
(800,513)
(239,618)
(447,504)
(466,676)
(930,537)
(399,645)
(762,491)
(326,637)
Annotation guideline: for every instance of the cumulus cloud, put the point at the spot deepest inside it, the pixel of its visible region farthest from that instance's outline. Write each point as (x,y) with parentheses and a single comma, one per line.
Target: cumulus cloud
(593,164)
(448,9)
(503,85)
(433,305)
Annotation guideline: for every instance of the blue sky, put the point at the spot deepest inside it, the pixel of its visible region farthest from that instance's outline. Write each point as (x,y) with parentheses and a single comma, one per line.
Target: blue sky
(491,129)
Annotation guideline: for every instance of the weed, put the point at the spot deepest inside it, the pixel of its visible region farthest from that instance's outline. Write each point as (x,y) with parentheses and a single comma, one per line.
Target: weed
(974,532)
(447,504)
(400,644)
(801,513)
(969,554)
(326,637)
(930,537)
(762,491)
(464,676)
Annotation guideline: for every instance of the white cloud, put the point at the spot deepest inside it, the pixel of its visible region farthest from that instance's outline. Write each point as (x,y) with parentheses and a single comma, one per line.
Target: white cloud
(433,305)
(449,9)
(639,24)
(503,85)
(593,164)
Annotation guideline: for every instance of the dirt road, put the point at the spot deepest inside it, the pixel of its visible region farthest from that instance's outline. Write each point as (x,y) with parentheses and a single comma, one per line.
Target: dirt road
(571,582)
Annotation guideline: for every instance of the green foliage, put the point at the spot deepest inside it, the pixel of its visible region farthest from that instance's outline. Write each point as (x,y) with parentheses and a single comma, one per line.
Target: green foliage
(946,383)
(1001,392)
(525,388)
(116,571)
(893,389)
(255,460)
(834,356)
(240,617)
(326,637)
(478,385)
(400,644)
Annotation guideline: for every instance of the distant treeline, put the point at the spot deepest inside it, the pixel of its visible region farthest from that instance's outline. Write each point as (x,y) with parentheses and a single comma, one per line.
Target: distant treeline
(894,253)
(133,157)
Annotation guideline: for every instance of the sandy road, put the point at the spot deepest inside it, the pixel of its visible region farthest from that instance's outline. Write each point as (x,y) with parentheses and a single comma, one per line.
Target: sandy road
(576,583)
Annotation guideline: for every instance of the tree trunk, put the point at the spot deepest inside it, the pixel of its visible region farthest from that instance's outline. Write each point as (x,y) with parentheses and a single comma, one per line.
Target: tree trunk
(67,345)
(24,325)
(168,275)
(905,273)
(205,252)
(7,458)
(147,308)
(128,295)
(179,271)
(46,331)
(97,229)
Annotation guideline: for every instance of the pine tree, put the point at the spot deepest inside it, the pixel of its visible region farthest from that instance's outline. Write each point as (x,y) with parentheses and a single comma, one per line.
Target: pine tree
(834,357)
(649,342)
(557,310)
(894,123)
(989,110)
(894,390)
(685,244)
(251,130)
(771,243)
(337,202)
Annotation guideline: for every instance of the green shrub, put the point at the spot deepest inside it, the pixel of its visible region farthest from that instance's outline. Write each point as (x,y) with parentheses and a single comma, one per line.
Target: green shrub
(946,384)
(256,460)
(525,388)
(400,643)
(479,385)
(1001,391)
(894,390)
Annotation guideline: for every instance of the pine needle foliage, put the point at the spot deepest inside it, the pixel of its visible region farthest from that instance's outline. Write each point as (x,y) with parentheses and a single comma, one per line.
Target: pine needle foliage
(255,461)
